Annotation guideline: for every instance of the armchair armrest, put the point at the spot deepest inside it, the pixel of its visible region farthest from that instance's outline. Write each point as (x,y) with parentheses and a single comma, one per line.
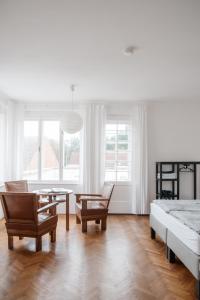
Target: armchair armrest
(79,195)
(85,194)
(92,198)
(47,207)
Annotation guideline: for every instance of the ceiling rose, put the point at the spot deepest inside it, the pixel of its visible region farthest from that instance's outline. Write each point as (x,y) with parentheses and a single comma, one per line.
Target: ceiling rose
(129,51)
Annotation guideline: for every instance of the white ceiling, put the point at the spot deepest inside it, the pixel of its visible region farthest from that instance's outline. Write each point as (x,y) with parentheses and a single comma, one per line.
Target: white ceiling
(45,45)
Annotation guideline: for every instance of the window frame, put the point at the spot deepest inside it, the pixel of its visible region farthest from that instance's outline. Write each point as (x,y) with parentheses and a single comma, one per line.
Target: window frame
(61,165)
(120,120)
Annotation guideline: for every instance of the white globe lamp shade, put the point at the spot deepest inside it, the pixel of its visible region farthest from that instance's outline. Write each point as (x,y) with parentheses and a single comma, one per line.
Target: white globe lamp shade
(72,122)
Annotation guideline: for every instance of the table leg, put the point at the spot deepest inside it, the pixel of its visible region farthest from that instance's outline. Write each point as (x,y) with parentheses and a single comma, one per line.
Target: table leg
(67,212)
(50,201)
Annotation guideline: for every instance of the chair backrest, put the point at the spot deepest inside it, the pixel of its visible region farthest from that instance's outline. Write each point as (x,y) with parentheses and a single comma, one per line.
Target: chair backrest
(19,207)
(107,192)
(16,186)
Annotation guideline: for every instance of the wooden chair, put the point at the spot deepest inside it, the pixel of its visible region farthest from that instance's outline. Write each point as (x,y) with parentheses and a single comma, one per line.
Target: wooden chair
(24,219)
(16,186)
(93,207)
(22,186)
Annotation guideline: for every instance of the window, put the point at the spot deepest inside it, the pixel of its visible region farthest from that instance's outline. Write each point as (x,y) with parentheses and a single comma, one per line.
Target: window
(71,156)
(118,151)
(50,150)
(50,154)
(31,146)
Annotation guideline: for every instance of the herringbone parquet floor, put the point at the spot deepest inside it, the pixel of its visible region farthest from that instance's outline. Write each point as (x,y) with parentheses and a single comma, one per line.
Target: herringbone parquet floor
(122,263)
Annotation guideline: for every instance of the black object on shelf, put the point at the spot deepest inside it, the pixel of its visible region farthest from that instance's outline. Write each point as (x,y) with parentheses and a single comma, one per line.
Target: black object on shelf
(170,172)
(186,168)
(166,194)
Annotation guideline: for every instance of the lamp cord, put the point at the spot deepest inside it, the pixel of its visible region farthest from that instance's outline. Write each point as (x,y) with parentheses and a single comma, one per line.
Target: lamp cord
(72,90)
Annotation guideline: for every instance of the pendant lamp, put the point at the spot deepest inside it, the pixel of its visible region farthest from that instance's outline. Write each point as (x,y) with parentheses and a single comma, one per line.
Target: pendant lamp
(72,122)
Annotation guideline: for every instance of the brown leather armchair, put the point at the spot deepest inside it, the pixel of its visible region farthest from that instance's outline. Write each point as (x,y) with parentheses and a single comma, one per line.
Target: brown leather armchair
(24,219)
(93,207)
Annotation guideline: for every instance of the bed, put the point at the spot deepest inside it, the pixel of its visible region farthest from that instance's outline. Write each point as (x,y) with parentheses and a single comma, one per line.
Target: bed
(169,219)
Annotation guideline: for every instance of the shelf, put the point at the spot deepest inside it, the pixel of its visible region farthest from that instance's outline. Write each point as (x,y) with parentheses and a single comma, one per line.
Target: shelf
(165,168)
(166,179)
(177,162)
(174,196)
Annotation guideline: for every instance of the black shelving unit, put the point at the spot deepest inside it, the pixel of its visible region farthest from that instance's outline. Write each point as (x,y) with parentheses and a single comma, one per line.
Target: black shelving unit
(169,171)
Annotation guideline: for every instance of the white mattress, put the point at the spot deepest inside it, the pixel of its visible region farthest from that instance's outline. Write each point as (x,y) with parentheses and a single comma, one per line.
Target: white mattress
(187,236)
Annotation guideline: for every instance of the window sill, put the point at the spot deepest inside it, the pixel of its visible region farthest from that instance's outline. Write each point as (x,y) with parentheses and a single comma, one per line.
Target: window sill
(34,182)
(120,183)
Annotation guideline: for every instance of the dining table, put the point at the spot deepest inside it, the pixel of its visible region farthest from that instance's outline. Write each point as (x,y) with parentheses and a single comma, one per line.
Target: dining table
(52,194)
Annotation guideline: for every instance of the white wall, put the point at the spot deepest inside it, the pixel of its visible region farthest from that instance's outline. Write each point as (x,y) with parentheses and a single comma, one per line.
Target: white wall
(173,134)
(1,210)
(4,102)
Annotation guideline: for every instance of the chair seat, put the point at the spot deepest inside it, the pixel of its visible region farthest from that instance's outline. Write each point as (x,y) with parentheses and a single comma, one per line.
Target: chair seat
(59,200)
(44,201)
(98,198)
(45,223)
(93,209)
(92,205)
(43,217)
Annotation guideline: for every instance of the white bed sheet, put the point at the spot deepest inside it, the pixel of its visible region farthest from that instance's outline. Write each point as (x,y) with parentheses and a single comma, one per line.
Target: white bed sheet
(187,236)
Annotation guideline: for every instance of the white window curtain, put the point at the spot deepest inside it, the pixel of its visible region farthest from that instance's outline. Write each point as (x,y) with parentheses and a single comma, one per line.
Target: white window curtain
(93,148)
(12,130)
(18,140)
(140,186)
(3,141)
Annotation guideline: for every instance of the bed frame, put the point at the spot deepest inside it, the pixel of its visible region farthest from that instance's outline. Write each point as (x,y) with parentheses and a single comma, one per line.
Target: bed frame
(174,247)
(158,228)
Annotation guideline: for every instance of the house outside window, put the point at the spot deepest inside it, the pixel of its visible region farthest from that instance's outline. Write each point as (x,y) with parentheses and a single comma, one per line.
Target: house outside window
(49,154)
(118,151)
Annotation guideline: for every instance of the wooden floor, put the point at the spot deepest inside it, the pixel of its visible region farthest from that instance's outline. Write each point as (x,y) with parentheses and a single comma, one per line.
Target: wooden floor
(120,264)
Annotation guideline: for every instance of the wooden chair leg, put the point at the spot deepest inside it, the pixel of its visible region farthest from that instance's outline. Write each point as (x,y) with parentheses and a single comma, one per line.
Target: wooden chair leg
(171,256)
(38,243)
(10,242)
(53,236)
(97,221)
(153,234)
(78,221)
(198,289)
(103,224)
(84,226)
(166,252)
